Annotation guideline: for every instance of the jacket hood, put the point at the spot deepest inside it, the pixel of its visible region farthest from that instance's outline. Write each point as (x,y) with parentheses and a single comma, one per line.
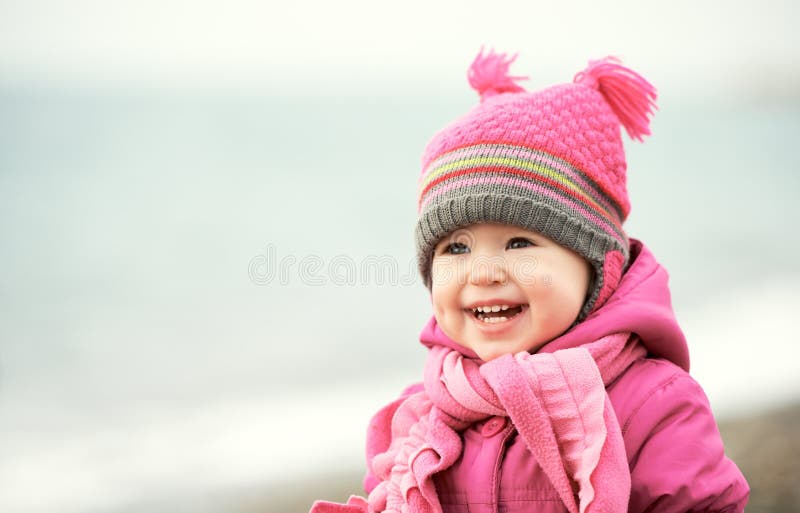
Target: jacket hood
(641,304)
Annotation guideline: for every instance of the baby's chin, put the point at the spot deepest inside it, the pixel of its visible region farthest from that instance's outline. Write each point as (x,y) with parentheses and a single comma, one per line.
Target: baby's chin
(488,356)
(492,350)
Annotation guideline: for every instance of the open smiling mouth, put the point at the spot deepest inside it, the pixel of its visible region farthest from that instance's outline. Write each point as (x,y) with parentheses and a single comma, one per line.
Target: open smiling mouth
(496,313)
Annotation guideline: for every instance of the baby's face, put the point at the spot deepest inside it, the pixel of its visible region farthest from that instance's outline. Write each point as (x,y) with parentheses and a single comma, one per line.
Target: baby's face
(500,289)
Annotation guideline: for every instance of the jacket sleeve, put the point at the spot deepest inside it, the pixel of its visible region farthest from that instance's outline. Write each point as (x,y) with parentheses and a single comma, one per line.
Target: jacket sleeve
(379,433)
(676,455)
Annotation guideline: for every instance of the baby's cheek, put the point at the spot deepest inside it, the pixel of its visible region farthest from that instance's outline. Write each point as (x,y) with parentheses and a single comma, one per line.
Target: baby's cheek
(565,294)
(437,276)
(526,271)
(547,281)
(450,274)
(442,274)
(440,300)
(447,317)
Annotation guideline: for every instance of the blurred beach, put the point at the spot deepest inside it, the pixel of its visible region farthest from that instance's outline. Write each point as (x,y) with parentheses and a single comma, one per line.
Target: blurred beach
(208,282)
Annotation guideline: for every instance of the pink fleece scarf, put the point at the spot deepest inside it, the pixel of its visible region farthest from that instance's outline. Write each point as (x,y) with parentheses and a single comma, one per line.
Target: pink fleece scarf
(556,401)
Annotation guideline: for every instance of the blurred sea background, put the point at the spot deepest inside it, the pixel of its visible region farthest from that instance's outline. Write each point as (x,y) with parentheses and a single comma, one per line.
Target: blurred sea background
(207,278)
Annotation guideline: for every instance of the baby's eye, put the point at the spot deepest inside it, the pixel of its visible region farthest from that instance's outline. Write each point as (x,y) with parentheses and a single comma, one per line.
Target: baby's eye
(456,248)
(519,242)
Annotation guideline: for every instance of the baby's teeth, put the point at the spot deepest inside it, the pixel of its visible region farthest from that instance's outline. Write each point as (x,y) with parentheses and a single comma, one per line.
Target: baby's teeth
(487,309)
(494,320)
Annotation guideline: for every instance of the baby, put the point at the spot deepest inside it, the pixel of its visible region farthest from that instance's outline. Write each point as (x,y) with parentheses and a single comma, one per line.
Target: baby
(557,376)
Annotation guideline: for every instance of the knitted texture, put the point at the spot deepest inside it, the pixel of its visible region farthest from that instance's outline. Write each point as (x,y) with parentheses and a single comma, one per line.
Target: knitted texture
(550,161)
(556,401)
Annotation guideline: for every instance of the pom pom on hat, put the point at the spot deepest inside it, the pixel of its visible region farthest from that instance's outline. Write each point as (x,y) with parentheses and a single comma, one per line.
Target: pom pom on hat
(630,96)
(488,74)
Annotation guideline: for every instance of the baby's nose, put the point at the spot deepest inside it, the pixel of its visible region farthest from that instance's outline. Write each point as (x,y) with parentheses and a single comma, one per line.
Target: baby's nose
(487,270)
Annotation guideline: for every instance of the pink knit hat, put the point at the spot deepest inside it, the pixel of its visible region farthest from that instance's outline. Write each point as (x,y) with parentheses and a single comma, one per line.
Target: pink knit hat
(550,161)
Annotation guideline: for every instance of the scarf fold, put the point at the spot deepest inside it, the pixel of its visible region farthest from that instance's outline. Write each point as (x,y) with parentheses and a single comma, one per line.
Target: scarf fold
(556,401)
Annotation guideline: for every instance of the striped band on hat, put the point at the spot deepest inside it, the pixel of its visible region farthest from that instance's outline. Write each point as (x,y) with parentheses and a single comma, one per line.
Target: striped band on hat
(519,171)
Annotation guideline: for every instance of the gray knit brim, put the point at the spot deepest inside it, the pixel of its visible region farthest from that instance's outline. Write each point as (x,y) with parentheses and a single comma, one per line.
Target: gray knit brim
(575,233)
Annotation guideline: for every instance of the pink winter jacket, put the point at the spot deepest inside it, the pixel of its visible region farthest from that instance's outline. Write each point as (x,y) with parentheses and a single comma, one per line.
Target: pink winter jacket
(675,452)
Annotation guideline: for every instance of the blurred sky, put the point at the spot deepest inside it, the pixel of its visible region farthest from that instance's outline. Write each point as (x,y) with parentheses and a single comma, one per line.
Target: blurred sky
(726,46)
